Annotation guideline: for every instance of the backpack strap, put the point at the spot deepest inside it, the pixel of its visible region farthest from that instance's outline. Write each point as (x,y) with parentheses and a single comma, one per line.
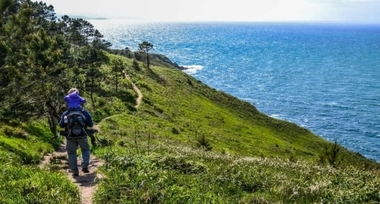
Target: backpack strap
(68,128)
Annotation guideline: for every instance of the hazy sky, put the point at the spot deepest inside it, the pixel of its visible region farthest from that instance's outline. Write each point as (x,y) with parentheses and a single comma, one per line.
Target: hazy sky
(367,11)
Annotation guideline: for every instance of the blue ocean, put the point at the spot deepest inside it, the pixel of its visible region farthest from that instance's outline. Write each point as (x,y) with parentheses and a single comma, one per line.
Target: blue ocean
(324,77)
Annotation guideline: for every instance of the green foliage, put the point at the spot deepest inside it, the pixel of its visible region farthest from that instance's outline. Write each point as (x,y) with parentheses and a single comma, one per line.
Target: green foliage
(117,71)
(136,65)
(149,150)
(20,184)
(145,47)
(202,142)
(331,154)
(21,145)
(21,180)
(176,173)
(152,181)
(41,58)
(13,132)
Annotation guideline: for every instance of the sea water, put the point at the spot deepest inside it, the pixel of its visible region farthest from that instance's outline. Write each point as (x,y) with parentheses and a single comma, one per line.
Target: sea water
(324,77)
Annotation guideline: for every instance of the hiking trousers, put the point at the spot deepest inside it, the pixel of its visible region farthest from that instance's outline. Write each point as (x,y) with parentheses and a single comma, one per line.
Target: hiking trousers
(71,147)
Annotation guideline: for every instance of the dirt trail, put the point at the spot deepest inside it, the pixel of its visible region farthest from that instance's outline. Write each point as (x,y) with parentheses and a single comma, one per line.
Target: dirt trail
(136,89)
(86,182)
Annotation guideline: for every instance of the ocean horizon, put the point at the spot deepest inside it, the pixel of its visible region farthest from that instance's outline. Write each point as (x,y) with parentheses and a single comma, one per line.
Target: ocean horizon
(321,76)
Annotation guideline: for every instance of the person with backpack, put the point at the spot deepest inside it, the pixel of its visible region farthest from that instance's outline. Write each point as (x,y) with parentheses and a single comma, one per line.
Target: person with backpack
(75,102)
(75,121)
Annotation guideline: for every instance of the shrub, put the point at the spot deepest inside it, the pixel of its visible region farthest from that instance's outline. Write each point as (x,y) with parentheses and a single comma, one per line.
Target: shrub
(203,143)
(331,154)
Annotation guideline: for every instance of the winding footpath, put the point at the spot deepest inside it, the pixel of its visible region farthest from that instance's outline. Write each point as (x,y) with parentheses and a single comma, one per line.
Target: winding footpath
(136,89)
(85,182)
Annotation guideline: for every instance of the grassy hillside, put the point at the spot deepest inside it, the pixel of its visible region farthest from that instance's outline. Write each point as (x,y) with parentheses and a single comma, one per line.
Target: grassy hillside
(182,108)
(188,143)
(22,147)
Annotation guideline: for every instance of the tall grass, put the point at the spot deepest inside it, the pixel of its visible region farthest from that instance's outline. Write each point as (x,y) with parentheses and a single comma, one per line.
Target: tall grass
(171,172)
(22,184)
(187,178)
(21,180)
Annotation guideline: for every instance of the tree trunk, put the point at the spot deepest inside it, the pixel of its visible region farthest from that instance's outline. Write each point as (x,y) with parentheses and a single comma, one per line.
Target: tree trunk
(91,93)
(147,60)
(53,117)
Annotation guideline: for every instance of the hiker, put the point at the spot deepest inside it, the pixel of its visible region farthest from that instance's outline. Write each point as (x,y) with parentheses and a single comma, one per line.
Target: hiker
(75,120)
(74,100)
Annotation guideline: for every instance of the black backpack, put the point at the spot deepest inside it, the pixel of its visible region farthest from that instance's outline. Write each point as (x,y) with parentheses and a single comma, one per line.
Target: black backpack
(76,124)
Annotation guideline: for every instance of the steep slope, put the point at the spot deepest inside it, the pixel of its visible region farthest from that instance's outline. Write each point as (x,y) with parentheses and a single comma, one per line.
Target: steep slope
(182,108)
(189,143)
(185,141)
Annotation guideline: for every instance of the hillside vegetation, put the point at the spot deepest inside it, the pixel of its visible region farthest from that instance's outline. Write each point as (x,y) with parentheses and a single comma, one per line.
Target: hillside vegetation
(185,142)
(188,143)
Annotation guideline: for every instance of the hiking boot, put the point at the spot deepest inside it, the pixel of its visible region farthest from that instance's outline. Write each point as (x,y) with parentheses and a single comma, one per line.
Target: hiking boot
(85,170)
(75,175)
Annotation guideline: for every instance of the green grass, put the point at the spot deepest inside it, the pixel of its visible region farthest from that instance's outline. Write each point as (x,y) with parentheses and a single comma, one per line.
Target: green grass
(21,180)
(175,173)
(179,107)
(24,144)
(22,184)
(187,143)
